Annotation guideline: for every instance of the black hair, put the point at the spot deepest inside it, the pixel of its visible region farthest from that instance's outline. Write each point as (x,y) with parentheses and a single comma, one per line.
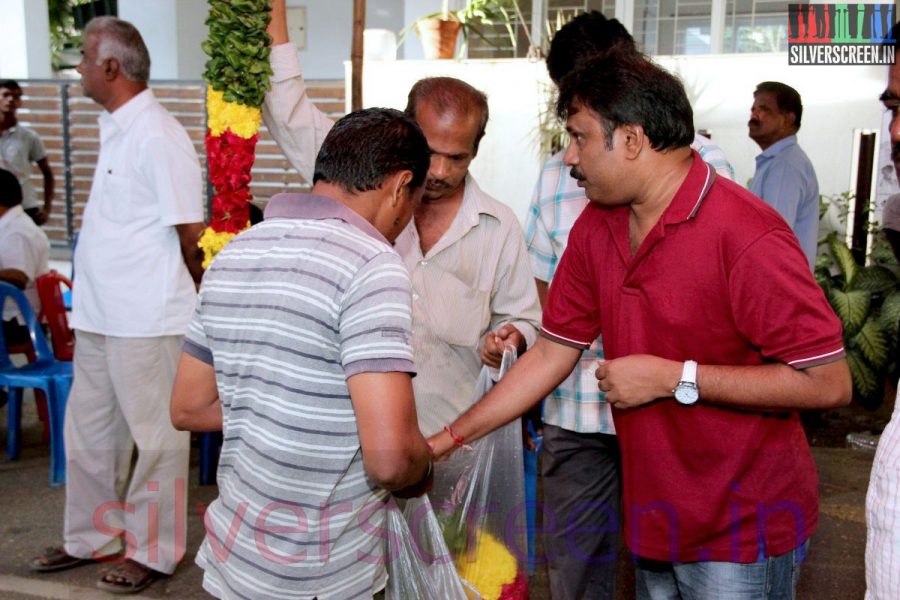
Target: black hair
(450,95)
(788,98)
(10,84)
(10,190)
(368,145)
(589,36)
(631,91)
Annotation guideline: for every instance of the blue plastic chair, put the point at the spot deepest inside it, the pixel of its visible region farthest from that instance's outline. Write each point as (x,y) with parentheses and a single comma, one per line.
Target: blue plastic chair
(44,373)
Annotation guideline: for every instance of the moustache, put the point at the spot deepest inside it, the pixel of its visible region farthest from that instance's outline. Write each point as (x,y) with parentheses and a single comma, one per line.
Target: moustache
(436,184)
(576,174)
(752,122)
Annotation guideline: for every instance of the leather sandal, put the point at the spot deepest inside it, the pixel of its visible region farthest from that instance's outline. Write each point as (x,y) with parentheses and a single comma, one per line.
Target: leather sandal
(55,558)
(128,577)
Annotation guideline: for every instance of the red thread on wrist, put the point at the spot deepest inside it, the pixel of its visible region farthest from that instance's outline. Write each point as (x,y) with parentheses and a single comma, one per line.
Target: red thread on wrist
(457,439)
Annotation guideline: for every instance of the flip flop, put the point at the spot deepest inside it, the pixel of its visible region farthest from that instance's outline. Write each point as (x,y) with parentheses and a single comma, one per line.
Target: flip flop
(128,577)
(55,558)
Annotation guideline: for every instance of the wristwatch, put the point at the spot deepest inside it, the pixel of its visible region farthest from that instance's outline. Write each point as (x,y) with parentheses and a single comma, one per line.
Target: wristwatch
(687,392)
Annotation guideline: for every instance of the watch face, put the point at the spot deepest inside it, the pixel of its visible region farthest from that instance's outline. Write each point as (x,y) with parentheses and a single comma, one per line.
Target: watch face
(687,394)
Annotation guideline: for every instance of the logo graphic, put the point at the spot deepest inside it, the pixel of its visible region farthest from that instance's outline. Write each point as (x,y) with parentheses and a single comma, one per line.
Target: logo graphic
(840,34)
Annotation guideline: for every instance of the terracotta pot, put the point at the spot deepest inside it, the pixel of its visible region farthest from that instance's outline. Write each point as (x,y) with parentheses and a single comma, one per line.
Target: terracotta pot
(438,37)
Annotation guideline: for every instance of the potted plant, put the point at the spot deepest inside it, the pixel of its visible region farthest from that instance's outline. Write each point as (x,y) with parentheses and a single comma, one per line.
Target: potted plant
(866,298)
(439,31)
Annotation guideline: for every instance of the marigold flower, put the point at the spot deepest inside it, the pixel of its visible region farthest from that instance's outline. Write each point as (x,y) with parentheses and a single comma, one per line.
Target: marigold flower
(491,567)
(221,115)
(212,242)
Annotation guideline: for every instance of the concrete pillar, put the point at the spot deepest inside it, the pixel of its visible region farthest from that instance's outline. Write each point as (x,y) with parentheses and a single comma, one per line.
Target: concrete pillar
(625,14)
(717,27)
(24,39)
(173,31)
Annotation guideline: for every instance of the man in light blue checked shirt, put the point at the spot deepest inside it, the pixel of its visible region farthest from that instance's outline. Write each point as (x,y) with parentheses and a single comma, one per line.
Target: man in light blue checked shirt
(581,463)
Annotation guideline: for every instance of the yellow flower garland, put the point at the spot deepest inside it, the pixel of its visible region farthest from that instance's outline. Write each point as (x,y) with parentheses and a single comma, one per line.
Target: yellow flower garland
(221,115)
(212,242)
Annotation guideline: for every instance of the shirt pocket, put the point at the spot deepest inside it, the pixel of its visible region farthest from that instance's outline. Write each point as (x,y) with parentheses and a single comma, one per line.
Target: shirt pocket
(460,314)
(119,201)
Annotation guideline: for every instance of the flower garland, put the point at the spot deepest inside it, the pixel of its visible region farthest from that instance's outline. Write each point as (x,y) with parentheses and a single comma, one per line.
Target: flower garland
(237,77)
(492,570)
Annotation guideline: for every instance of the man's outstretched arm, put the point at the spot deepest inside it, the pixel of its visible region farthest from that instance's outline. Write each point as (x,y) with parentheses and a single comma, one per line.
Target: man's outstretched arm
(295,123)
(532,377)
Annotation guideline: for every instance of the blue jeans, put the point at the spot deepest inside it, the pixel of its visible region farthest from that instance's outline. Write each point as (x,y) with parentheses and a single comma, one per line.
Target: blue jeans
(773,578)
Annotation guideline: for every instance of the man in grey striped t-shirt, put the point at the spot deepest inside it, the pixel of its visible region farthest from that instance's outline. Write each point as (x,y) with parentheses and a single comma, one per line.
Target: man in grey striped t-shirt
(300,351)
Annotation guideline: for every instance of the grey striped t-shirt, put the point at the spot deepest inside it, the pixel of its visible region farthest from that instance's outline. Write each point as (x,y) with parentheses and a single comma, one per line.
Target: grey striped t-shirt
(287,312)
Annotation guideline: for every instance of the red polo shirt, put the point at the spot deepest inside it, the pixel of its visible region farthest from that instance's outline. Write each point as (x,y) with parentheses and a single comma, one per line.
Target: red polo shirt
(721,280)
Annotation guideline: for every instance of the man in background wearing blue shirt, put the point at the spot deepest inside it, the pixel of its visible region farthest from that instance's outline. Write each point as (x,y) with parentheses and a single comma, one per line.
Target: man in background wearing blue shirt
(784,177)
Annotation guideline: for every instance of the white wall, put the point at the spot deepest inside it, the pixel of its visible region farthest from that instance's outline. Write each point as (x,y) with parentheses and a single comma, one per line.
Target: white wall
(385,14)
(329,34)
(173,31)
(191,31)
(413,9)
(24,39)
(329,31)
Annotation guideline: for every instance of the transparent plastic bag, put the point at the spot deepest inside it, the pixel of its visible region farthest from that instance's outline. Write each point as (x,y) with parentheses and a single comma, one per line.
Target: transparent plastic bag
(479,498)
(419,565)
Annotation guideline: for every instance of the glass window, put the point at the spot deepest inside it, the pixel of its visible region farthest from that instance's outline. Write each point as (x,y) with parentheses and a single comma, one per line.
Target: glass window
(684,26)
(755,26)
(672,26)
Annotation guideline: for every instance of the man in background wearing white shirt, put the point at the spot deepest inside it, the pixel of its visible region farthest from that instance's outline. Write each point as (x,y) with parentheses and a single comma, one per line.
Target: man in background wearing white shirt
(24,252)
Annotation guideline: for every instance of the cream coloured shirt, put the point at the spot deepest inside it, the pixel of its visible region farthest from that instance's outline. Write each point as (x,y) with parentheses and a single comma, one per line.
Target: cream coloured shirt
(475,279)
(131,279)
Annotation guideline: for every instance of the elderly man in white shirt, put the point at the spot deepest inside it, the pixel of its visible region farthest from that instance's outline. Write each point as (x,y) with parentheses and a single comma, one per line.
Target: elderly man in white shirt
(138,264)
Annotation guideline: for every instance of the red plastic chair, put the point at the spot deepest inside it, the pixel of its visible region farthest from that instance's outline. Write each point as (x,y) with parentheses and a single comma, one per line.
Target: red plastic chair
(53,311)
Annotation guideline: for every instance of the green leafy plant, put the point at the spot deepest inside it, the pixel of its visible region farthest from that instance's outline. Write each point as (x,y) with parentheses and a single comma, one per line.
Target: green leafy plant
(67,19)
(551,132)
(866,298)
(65,34)
(474,17)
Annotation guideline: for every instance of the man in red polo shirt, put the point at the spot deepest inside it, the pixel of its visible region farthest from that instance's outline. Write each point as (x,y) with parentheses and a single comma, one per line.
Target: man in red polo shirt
(715,335)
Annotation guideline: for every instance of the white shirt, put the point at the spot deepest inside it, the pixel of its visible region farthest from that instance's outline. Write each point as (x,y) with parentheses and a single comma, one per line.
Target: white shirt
(23,246)
(883,515)
(131,279)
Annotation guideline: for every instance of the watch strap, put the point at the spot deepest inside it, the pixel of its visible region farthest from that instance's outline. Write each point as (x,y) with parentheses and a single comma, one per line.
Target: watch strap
(689,372)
